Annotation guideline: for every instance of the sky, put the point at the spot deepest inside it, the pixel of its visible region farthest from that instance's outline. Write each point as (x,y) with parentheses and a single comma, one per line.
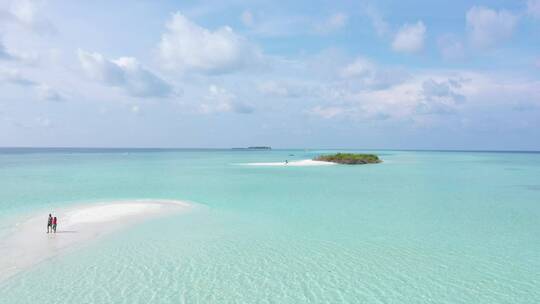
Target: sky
(288,74)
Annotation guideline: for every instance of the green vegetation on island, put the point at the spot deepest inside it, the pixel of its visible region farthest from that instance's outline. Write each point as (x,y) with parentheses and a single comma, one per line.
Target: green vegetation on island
(350,158)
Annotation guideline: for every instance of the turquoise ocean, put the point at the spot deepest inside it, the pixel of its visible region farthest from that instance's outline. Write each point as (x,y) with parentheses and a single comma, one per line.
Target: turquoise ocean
(422,227)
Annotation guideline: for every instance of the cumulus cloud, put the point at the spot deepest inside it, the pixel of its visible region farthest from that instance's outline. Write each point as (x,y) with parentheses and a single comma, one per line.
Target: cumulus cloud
(410,38)
(533,8)
(25,10)
(126,73)
(25,14)
(440,97)
(186,46)
(44,92)
(5,54)
(370,76)
(487,27)
(426,95)
(15,77)
(332,23)
(360,67)
(219,99)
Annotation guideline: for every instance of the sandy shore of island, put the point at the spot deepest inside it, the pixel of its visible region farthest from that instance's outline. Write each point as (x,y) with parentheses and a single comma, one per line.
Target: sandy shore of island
(27,243)
(296,163)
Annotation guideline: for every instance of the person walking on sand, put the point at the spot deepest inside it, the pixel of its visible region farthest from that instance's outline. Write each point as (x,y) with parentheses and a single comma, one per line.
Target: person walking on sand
(49,223)
(54,224)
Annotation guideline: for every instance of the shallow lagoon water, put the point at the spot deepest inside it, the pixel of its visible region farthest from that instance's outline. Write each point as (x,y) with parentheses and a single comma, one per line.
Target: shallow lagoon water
(422,227)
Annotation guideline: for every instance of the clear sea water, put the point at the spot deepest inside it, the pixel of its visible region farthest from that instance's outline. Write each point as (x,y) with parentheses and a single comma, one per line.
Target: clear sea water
(423,227)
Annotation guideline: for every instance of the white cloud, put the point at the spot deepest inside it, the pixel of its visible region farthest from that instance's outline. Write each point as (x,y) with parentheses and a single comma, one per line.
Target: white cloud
(5,54)
(379,24)
(187,46)
(97,67)
(25,10)
(440,97)
(332,23)
(433,96)
(368,75)
(219,99)
(15,77)
(360,67)
(125,73)
(533,8)
(44,92)
(410,38)
(29,58)
(427,94)
(487,27)
(25,14)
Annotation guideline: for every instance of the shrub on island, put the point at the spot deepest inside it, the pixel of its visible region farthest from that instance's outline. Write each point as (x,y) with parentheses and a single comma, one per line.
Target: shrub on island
(350,158)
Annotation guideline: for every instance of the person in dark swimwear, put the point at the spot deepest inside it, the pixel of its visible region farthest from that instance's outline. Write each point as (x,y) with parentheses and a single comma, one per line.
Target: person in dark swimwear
(49,223)
(54,224)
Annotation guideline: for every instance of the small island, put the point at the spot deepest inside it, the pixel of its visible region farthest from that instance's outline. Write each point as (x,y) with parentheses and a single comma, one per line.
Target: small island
(350,158)
(255,148)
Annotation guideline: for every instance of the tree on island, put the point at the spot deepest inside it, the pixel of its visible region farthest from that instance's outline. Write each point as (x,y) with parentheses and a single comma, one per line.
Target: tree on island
(350,158)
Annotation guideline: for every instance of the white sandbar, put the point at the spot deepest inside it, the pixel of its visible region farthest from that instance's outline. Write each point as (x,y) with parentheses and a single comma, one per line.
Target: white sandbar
(28,243)
(297,163)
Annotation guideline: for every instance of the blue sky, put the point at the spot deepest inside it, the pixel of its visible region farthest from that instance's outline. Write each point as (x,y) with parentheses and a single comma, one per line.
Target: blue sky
(319,74)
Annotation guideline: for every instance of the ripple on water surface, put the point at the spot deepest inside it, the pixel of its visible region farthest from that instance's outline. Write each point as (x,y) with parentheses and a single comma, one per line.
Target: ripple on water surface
(144,265)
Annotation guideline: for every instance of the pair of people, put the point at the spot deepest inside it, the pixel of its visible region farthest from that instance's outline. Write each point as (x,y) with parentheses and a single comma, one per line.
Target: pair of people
(51,224)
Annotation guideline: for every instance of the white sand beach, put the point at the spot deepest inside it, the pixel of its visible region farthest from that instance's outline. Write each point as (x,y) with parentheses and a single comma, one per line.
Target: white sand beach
(28,243)
(297,163)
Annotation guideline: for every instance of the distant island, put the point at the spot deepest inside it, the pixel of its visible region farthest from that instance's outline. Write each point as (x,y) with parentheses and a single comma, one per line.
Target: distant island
(350,158)
(254,148)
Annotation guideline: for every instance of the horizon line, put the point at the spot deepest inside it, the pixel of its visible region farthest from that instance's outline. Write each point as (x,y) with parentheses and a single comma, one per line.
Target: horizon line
(246,148)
